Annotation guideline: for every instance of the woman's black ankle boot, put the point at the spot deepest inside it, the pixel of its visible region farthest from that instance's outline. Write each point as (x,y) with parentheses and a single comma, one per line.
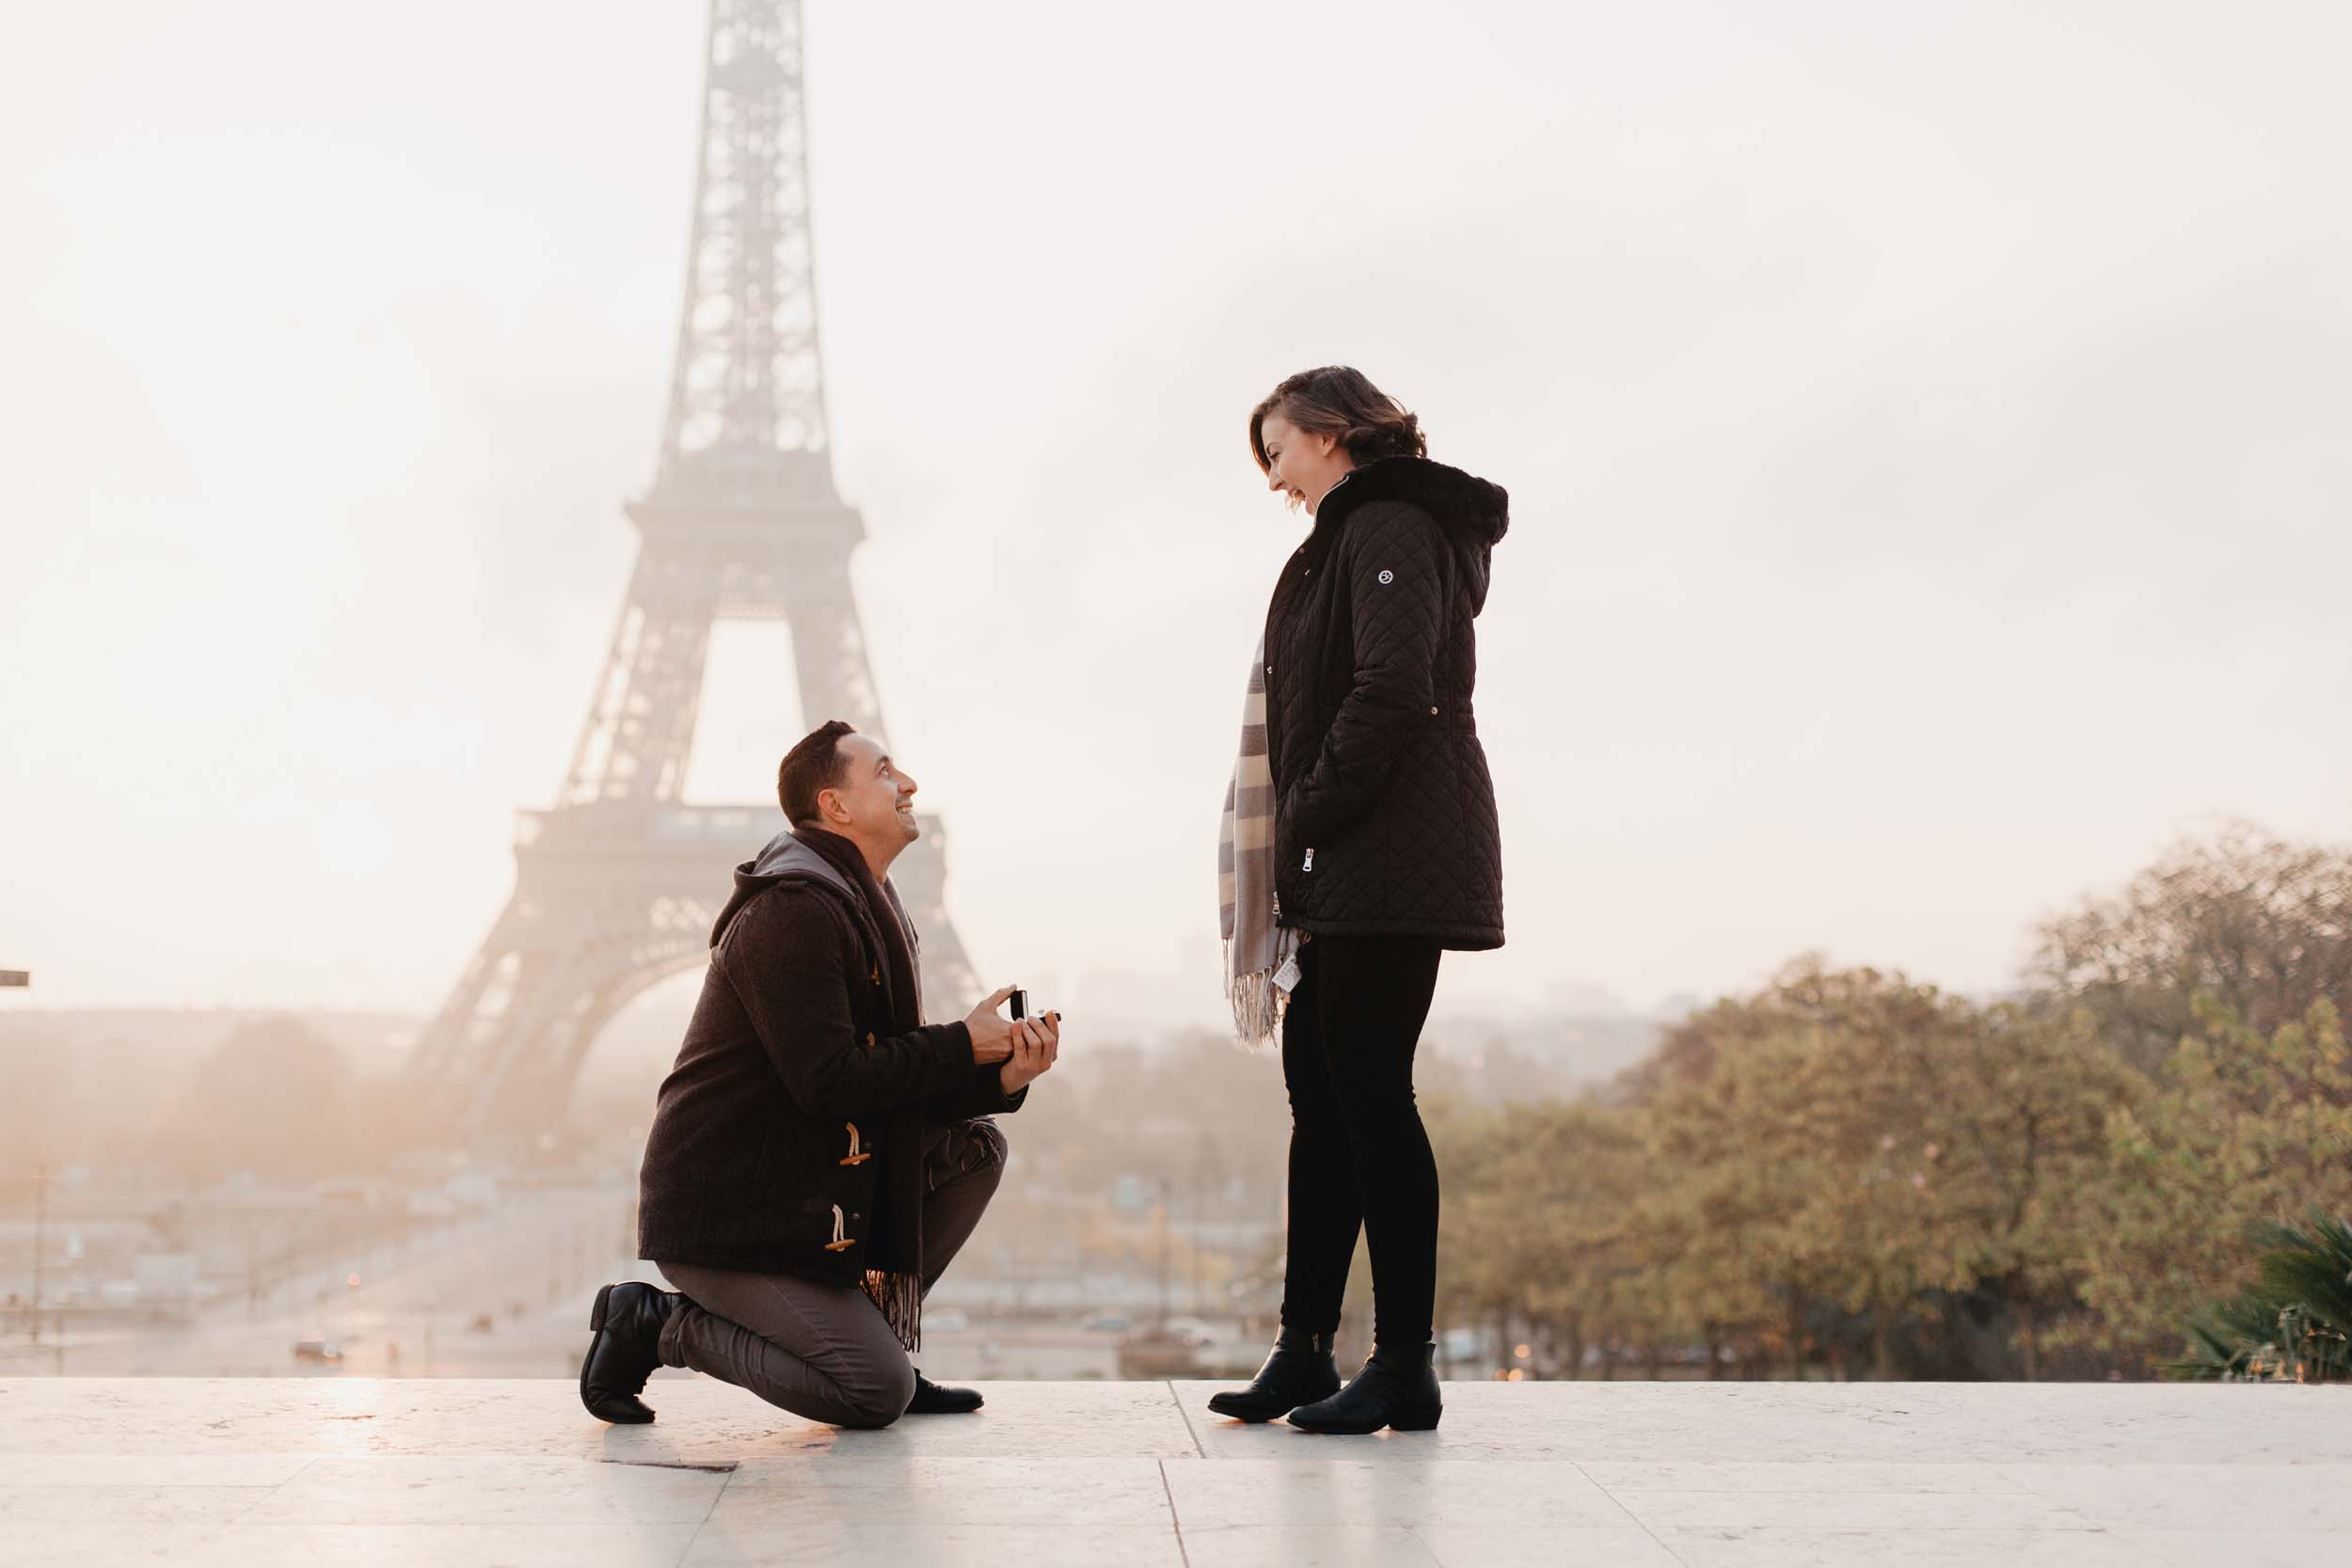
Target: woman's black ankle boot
(1300,1371)
(1398,1388)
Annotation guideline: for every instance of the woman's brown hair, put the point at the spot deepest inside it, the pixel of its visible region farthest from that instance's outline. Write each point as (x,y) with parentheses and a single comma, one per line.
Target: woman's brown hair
(1340,400)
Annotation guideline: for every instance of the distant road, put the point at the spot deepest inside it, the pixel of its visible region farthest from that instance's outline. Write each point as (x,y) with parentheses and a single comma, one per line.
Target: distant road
(530,1267)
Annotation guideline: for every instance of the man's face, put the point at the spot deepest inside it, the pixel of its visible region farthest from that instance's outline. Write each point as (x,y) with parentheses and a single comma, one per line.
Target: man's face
(874,802)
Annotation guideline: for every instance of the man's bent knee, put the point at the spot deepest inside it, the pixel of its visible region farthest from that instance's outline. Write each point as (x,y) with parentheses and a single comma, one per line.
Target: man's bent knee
(968,1151)
(878,1404)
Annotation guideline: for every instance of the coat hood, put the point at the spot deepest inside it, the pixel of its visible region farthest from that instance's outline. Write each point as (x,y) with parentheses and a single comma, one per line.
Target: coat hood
(1468,508)
(1474,513)
(786,857)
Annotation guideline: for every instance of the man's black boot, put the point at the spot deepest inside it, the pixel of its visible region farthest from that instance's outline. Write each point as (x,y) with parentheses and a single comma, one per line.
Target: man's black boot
(930,1398)
(1300,1371)
(1398,1388)
(624,1348)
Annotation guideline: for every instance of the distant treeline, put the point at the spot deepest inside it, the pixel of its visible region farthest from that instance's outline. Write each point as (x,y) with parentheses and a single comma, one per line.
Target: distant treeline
(1849,1170)
(1852,1170)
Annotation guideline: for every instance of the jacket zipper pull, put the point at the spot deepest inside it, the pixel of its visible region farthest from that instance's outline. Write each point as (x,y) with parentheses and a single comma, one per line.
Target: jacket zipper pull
(1309,866)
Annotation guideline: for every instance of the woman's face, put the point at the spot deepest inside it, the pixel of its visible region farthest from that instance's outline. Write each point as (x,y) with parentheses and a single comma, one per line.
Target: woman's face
(1301,466)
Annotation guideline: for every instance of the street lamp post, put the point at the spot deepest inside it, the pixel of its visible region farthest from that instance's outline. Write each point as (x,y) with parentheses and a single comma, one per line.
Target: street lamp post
(41,1239)
(16,979)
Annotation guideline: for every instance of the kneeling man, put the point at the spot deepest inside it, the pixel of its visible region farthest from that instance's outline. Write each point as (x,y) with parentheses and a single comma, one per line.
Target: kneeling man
(818,1152)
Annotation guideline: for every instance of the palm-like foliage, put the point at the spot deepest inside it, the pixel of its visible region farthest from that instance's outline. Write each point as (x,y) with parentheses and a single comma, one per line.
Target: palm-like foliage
(2294,1324)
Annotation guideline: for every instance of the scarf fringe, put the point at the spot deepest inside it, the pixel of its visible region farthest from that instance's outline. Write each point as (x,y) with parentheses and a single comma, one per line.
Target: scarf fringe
(1258,1003)
(900,1298)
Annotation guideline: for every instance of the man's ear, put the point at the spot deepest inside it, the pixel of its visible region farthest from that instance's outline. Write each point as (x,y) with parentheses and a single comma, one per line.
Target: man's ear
(829,807)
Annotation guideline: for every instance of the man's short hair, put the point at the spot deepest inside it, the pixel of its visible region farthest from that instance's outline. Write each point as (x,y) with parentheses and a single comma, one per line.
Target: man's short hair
(811,768)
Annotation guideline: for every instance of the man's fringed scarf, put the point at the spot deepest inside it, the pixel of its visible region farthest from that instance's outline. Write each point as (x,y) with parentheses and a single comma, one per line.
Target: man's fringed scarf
(894,1237)
(897,1285)
(1259,952)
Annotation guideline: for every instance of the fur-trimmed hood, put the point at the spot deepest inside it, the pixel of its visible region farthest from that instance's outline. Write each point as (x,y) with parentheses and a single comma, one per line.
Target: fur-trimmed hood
(1474,513)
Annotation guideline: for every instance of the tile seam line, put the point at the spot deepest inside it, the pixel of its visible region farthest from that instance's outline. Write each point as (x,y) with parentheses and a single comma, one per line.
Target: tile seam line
(1639,1523)
(725,1479)
(1183,1553)
(1413,1532)
(1186,1417)
(1917,1529)
(2001,1468)
(268,1492)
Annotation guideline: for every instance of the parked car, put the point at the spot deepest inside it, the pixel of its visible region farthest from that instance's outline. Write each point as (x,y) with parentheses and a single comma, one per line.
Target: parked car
(1192,1331)
(317,1350)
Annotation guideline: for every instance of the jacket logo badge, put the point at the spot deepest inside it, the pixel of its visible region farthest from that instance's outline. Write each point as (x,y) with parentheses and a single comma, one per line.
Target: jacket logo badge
(1387,578)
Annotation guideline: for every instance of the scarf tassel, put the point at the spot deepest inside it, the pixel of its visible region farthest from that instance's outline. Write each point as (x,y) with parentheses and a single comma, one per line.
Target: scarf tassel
(900,1298)
(1258,1004)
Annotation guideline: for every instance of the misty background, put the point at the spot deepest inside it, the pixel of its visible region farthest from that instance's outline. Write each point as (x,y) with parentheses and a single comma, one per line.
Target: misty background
(1925,426)
(1927,433)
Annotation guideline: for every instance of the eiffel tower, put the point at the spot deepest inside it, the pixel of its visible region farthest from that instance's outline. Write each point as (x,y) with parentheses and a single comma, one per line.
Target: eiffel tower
(617,886)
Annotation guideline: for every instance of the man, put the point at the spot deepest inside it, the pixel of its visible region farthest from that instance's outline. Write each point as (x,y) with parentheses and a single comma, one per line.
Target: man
(818,1152)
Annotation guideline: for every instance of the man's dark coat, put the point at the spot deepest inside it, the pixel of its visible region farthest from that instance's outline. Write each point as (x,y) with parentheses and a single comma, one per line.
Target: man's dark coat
(1371,656)
(791,1046)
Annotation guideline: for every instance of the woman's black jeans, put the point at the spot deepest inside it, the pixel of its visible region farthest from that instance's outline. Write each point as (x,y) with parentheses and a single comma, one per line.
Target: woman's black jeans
(1358,1154)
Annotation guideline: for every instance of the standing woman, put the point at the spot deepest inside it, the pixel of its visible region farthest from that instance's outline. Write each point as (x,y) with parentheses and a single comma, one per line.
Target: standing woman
(1360,844)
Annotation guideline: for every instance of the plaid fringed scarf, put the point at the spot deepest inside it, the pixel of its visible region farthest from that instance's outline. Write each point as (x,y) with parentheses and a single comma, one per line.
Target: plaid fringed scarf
(1260,954)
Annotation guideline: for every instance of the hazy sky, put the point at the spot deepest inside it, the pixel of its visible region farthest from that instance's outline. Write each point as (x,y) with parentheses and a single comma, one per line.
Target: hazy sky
(1926,424)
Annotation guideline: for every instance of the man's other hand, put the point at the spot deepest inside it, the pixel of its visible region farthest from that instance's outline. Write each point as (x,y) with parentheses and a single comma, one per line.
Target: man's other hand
(992,1036)
(1036,1041)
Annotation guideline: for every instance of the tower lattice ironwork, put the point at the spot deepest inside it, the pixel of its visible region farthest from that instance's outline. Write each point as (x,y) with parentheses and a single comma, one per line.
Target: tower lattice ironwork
(616,887)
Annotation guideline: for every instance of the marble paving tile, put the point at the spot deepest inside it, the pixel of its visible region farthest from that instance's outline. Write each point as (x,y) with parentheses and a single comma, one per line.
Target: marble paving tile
(1768,1475)
(1505,1545)
(1853,1510)
(1021,1420)
(1903,1422)
(328,1471)
(702,1420)
(1532,1494)
(1309,1546)
(101,1543)
(2241,1548)
(612,1544)
(510,1489)
(150,1469)
(89,1526)
(888,1544)
(2214,1496)
(36,1507)
(923,1489)
(1795,1546)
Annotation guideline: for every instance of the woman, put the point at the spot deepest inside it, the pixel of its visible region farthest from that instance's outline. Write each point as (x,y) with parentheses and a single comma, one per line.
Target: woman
(1360,844)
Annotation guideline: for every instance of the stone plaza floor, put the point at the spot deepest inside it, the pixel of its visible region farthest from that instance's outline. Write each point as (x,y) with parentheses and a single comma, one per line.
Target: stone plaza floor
(350,1473)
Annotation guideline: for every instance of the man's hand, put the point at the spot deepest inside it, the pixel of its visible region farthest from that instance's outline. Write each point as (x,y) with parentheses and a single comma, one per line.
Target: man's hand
(1036,1041)
(992,1036)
